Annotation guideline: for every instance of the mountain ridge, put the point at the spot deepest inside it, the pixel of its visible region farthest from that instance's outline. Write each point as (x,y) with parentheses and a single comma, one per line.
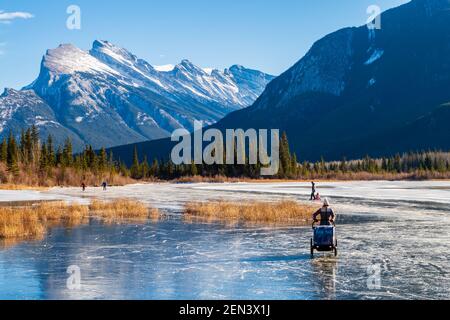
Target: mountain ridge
(107,96)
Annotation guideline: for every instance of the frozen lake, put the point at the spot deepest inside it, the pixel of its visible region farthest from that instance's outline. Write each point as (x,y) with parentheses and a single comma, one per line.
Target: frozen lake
(394,243)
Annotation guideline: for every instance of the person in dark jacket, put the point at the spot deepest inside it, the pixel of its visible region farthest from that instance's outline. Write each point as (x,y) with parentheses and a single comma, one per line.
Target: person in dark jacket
(327,216)
(313,191)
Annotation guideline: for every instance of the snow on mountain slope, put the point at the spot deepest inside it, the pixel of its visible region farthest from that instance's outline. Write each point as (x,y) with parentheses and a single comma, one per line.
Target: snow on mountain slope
(68,59)
(107,96)
(21,109)
(164,68)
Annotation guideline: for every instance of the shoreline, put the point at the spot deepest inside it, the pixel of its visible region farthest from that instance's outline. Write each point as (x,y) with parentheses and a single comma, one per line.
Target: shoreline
(20,187)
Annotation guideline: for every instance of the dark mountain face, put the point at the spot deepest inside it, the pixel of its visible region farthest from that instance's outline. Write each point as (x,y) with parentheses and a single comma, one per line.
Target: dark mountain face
(359,91)
(108,96)
(356,84)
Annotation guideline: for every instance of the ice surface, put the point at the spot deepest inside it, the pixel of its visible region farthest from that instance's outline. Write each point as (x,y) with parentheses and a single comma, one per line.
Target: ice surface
(30,195)
(399,227)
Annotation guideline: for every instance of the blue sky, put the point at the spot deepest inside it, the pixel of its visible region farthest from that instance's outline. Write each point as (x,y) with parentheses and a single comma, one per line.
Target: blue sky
(269,35)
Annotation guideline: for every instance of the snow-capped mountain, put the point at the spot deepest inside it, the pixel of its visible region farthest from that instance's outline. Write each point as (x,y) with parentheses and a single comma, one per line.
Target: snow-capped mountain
(108,96)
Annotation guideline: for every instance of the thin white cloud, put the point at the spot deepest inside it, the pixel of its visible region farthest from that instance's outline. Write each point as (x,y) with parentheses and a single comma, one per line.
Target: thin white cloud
(8,17)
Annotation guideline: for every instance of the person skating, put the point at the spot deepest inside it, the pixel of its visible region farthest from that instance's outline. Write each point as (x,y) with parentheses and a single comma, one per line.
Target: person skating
(313,191)
(327,216)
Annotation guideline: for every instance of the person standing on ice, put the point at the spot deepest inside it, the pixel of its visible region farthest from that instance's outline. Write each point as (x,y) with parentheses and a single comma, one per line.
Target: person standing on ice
(313,191)
(327,216)
(104,185)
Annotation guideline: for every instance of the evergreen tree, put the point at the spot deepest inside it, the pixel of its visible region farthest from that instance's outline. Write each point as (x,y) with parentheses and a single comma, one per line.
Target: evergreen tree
(4,151)
(397,164)
(145,168)
(59,157)
(111,159)
(43,161)
(384,165)
(67,156)
(294,166)
(50,152)
(134,170)
(285,157)
(34,135)
(12,157)
(343,166)
(154,169)
(102,160)
(22,146)
(28,146)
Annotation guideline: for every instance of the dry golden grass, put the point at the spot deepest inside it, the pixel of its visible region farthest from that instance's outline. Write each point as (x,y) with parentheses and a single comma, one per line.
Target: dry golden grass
(61,213)
(283,212)
(33,222)
(20,223)
(122,209)
(57,211)
(21,187)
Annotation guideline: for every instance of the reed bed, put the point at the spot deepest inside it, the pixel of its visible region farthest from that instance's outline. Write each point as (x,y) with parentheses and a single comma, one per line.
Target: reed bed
(122,209)
(23,223)
(57,211)
(34,221)
(21,187)
(285,212)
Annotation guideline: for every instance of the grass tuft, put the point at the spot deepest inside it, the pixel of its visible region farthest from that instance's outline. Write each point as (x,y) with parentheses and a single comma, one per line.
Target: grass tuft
(121,209)
(286,212)
(33,222)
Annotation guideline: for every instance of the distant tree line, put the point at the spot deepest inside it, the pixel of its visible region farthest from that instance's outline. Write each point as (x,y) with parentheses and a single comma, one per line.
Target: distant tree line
(28,158)
(30,151)
(413,164)
(31,157)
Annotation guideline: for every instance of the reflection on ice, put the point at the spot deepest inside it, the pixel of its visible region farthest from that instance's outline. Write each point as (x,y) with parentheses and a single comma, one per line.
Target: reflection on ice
(400,226)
